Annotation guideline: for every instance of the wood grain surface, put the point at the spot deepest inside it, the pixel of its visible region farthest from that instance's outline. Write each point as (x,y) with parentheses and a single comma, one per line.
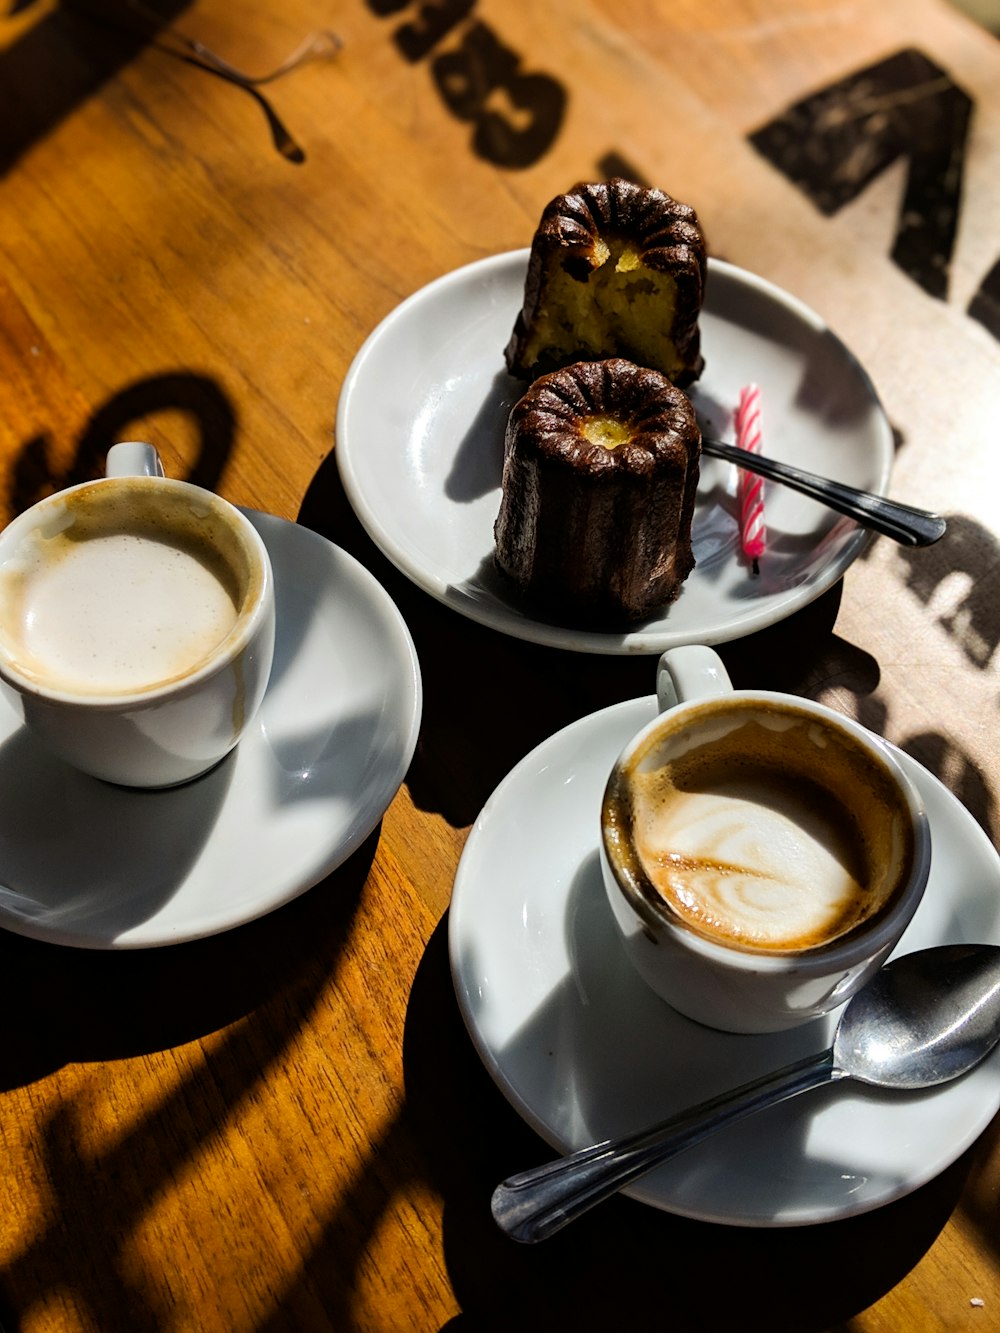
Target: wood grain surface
(286,1127)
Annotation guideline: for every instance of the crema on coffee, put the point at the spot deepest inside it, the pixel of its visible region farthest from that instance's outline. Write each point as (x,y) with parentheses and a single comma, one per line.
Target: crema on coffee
(122,590)
(760,827)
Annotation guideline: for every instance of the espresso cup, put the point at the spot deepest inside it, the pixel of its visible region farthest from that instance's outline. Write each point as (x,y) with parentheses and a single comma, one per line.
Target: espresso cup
(136,623)
(761,853)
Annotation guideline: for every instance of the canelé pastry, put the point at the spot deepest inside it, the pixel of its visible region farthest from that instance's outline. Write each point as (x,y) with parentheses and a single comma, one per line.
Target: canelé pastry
(599,480)
(615,270)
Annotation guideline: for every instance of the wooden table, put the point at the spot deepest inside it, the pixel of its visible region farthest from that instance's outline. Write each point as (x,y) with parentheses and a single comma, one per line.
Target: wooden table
(285,1126)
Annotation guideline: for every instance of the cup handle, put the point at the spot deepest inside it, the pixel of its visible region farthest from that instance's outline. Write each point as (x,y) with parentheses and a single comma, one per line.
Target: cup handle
(688,674)
(132,458)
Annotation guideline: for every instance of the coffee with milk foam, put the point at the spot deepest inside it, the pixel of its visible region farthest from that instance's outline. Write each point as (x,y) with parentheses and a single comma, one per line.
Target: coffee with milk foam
(124,590)
(759,827)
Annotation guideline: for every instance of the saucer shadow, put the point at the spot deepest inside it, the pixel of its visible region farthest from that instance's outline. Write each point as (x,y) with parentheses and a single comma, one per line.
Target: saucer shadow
(623,1263)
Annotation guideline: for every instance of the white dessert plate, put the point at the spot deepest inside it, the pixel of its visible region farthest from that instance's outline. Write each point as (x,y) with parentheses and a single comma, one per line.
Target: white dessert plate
(585,1051)
(420,429)
(102,867)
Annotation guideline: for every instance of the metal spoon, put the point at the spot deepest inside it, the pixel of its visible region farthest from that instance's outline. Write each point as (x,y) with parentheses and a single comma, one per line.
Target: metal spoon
(924,1019)
(904,523)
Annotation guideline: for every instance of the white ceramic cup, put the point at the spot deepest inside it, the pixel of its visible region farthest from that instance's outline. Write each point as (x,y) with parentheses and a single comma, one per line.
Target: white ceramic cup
(709,801)
(136,623)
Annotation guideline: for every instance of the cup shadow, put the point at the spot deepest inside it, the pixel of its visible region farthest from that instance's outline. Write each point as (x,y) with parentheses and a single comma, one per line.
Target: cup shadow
(77,850)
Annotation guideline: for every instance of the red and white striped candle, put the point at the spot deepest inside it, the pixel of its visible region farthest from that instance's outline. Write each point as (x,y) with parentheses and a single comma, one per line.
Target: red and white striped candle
(750,487)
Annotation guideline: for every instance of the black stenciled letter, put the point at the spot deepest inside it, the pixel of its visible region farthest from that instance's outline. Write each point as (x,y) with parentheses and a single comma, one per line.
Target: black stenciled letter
(385,7)
(833,143)
(985,305)
(480,67)
(416,40)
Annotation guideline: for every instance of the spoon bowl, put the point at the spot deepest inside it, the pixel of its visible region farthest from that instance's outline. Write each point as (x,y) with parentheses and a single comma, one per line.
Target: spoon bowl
(924,1019)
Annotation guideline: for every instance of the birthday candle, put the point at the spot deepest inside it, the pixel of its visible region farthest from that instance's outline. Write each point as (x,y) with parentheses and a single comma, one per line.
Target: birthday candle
(750,487)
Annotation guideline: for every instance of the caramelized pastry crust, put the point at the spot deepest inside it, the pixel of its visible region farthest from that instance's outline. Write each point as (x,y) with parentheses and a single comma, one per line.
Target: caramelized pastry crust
(599,480)
(615,269)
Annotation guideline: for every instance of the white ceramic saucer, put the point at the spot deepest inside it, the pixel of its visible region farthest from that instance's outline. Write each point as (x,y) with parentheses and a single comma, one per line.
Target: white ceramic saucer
(420,428)
(584,1051)
(103,867)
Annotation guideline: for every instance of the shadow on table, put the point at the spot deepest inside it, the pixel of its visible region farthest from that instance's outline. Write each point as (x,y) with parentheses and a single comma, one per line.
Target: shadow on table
(489,698)
(132,412)
(73,1006)
(70,52)
(624,1263)
(76,46)
(80,1005)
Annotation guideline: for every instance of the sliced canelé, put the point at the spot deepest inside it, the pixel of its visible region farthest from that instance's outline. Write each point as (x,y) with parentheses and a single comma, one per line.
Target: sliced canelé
(615,270)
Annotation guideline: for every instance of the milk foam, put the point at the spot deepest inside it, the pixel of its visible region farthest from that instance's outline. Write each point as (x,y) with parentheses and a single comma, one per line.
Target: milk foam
(751,862)
(117,612)
(758,825)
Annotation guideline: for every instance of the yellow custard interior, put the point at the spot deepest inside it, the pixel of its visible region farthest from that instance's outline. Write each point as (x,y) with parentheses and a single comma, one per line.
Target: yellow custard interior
(605,430)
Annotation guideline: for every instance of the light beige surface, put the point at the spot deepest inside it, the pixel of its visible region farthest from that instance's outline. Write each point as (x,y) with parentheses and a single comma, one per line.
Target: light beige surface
(286,1127)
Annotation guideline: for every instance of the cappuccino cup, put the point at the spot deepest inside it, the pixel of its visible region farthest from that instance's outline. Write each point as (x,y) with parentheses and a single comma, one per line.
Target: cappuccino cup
(762,854)
(136,623)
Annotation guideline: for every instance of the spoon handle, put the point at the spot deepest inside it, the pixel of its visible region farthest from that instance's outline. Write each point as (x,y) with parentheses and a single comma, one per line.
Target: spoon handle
(904,523)
(534,1204)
